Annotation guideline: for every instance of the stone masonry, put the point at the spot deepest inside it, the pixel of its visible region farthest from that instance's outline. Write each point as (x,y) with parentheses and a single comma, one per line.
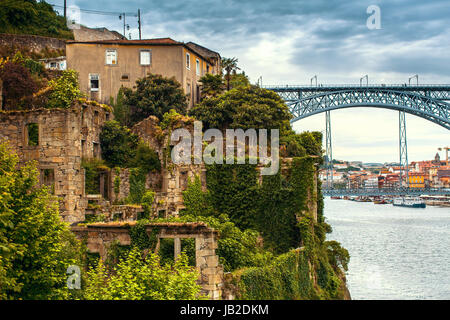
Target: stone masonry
(100,236)
(63,137)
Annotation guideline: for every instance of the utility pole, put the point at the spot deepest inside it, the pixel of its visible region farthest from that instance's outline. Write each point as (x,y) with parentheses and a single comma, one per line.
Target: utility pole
(125,26)
(124,34)
(139,22)
(65,9)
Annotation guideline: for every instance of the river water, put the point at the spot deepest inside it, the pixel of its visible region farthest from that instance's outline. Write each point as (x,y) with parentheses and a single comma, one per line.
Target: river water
(395,252)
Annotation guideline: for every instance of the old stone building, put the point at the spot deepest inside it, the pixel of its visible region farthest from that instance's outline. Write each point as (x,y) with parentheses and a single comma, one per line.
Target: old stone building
(106,65)
(100,236)
(57,139)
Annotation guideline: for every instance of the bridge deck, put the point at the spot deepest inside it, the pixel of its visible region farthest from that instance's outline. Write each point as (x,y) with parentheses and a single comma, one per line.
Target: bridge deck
(385,192)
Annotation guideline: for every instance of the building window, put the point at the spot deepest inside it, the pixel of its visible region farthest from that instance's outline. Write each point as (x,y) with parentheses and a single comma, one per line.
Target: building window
(188,91)
(32,134)
(96,150)
(96,117)
(207,68)
(48,179)
(94,82)
(197,67)
(188,61)
(125,77)
(111,56)
(146,57)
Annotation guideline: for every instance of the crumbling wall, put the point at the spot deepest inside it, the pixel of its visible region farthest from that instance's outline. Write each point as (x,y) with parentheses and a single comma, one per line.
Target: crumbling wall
(57,149)
(100,236)
(1,95)
(174,178)
(33,43)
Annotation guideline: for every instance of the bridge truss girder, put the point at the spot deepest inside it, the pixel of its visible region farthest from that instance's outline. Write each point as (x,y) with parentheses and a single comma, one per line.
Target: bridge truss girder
(433,110)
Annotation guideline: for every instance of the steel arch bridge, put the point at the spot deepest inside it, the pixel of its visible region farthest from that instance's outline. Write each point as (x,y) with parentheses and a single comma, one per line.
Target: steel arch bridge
(430,102)
(426,101)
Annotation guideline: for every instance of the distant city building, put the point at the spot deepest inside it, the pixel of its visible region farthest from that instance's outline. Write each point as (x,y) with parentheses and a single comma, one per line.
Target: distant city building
(58,63)
(416,179)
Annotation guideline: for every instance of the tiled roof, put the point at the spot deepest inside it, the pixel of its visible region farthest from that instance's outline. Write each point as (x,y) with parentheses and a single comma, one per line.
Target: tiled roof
(166,41)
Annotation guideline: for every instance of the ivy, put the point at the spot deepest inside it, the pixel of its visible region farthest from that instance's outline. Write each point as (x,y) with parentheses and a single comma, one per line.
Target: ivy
(137,185)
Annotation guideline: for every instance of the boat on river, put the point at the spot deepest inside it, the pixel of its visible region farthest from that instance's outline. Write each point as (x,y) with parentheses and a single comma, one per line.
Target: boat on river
(409,202)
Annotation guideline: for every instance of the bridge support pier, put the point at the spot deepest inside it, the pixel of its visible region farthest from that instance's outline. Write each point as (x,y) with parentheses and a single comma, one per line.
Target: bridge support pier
(329,151)
(403,148)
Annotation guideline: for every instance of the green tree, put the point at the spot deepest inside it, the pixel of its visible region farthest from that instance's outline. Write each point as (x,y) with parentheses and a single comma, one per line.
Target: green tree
(147,201)
(239,80)
(118,144)
(154,95)
(35,245)
(244,107)
(64,90)
(212,85)
(229,65)
(196,200)
(138,278)
(32,17)
(146,158)
(120,110)
(17,84)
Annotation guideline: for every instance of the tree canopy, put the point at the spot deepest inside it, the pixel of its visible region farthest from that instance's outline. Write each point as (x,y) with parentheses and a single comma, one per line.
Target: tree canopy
(243,107)
(32,17)
(36,247)
(154,95)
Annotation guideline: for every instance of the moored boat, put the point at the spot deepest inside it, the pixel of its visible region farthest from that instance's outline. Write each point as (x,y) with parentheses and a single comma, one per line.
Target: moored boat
(409,202)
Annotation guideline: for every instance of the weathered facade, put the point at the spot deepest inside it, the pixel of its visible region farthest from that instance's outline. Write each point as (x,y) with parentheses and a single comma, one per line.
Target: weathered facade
(57,139)
(100,236)
(106,65)
(32,43)
(173,178)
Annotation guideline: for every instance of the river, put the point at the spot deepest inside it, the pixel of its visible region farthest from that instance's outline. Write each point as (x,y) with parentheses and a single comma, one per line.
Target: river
(395,252)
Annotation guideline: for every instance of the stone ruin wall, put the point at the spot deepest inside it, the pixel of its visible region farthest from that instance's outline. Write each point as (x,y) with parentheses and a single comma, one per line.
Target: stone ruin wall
(174,178)
(59,150)
(32,42)
(100,236)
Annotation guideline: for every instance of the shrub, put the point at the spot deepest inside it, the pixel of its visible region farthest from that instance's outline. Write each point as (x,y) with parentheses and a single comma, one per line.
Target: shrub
(64,90)
(118,144)
(154,95)
(138,278)
(17,84)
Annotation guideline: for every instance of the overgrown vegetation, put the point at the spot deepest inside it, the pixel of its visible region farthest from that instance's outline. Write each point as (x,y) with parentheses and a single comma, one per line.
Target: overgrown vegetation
(153,95)
(243,107)
(143,278)
(32,17)
(36,248)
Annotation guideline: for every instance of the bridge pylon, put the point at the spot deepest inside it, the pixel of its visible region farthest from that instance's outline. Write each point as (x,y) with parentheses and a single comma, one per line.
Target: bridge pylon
(403,148)
(328,151)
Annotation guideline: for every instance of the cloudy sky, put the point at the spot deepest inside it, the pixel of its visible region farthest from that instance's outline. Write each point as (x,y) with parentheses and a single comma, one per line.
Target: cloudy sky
(290,41)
